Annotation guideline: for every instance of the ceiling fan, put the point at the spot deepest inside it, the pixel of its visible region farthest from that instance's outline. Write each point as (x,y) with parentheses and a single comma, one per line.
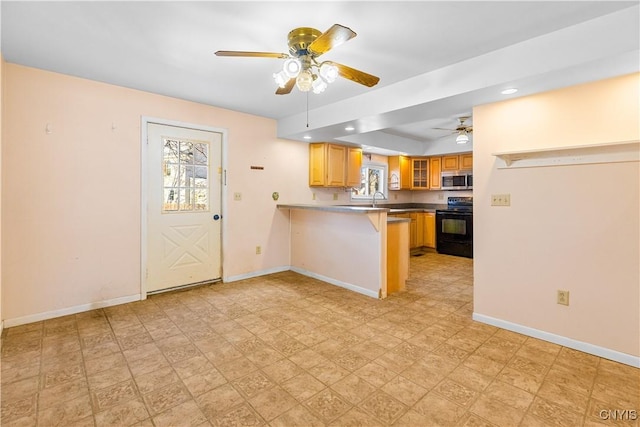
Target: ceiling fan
(301,67)
(462,130)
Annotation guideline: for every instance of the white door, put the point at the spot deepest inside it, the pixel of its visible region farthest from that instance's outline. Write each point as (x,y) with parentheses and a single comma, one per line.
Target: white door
(183,211)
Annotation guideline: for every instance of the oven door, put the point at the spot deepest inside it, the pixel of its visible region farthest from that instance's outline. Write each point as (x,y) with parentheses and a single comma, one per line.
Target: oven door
(454,233)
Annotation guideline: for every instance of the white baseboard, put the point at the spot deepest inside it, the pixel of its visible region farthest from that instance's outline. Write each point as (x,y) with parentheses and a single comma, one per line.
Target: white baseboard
(253,274)
(69,310)
(603,352)
(340,283)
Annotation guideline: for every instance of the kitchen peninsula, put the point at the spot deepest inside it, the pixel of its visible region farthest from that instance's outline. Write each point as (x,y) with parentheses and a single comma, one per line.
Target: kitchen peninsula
(348,245)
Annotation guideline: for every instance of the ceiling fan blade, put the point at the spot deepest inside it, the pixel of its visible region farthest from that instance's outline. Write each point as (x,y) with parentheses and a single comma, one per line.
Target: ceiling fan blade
(356,75)
(450,130)
(287,87)
(334,36)
(252,54)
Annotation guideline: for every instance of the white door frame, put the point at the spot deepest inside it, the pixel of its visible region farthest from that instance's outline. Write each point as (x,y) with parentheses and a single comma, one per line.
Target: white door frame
(144,199)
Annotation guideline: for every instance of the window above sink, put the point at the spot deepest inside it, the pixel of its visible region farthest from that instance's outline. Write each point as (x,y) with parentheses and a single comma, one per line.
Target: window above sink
(373,181)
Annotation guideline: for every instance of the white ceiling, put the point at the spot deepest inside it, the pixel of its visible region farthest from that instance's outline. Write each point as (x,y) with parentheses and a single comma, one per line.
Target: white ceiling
(435,60)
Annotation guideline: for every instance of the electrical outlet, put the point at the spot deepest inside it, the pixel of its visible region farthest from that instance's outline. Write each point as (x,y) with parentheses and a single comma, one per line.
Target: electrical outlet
(335,196)
(237,196)
(563,297)
(258,250)
(313,196)
(501,200)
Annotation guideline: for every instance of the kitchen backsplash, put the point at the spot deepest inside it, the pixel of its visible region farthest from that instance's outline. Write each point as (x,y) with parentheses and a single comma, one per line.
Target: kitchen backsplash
(435,196)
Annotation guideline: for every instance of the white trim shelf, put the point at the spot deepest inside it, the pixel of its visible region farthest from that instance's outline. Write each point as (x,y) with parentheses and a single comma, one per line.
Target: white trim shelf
(615,152)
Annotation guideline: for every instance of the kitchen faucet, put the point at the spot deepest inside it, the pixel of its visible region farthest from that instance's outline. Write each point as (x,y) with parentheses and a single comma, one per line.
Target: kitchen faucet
(374,197)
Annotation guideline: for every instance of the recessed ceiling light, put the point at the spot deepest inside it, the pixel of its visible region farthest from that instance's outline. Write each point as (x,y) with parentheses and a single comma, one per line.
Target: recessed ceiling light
(306,137)
(509,91)
(349,128)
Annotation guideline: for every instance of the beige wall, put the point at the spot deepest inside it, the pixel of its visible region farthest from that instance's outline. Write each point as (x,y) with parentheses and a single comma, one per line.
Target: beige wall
(1,110)
(71,197)
(570,227)
(344,249)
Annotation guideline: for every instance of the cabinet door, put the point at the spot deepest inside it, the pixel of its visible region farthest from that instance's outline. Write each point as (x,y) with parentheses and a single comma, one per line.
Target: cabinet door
(317,160)
(435,169)
(429,229)
(354,163)
(405,173)
(336,165)
(450,163)
(466,161)
(413,231)
(420,170)
(419,229)
(399,173)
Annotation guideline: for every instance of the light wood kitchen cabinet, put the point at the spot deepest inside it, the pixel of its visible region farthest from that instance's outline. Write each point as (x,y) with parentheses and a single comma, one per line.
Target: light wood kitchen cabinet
(450,163)
(429,229)
(333,165)
(457,162)
(419,173)
(418,240)
(422,228)
(397,256)
(466,161)
(399,173)
(435,169)
(413,236)
(354,164)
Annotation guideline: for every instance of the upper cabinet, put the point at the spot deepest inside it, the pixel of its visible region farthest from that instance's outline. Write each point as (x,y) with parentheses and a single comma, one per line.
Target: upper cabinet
(354,164)
(450,163)
(333,165)
(414,173)
(420,173)
(466,161)
(399,173)
(455,162)
(435,169)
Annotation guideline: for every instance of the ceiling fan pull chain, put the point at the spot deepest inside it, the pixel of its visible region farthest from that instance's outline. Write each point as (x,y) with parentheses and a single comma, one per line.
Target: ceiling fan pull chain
(307,109)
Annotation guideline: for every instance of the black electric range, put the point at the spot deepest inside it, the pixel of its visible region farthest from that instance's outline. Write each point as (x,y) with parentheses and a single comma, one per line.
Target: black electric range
(454,227)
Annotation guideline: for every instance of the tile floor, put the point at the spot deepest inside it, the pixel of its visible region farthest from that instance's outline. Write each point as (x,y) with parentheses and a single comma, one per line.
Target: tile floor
(287,350)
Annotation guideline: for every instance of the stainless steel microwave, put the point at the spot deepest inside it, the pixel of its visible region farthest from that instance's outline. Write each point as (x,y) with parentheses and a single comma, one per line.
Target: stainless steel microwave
(456,180)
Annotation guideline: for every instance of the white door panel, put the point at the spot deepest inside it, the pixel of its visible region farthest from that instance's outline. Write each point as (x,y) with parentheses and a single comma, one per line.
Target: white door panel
(184,184)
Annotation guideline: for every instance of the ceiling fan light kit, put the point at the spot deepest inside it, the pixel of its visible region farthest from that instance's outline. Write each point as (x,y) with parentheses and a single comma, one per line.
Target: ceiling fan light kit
(301,69)
(462,138)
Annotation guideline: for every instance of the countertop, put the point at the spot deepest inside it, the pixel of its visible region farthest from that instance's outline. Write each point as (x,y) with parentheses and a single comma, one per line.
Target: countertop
(368,208)
(392,219)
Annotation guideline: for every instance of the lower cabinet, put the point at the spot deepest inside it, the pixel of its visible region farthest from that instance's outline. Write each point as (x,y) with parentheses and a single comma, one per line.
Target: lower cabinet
(429,234)
(422,229)
(397,256)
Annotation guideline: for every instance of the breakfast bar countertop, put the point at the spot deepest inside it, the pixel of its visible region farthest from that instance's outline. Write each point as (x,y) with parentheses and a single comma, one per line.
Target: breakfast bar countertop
(334,208)
(368,208)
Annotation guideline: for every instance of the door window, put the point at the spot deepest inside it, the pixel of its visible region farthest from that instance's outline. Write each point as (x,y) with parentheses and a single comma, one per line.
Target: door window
(185,181)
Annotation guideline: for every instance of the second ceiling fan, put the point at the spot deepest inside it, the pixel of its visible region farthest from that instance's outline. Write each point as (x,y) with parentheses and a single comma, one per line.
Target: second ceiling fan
(462,130)
(301,67)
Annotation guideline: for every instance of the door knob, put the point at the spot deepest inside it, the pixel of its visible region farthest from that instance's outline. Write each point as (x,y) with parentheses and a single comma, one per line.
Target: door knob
(216,217)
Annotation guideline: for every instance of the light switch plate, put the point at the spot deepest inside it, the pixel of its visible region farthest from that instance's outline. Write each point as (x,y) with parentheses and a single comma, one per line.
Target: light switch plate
(501,200)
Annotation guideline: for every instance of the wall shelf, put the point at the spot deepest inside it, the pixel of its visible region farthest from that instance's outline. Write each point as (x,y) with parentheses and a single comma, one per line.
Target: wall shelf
(616,152)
